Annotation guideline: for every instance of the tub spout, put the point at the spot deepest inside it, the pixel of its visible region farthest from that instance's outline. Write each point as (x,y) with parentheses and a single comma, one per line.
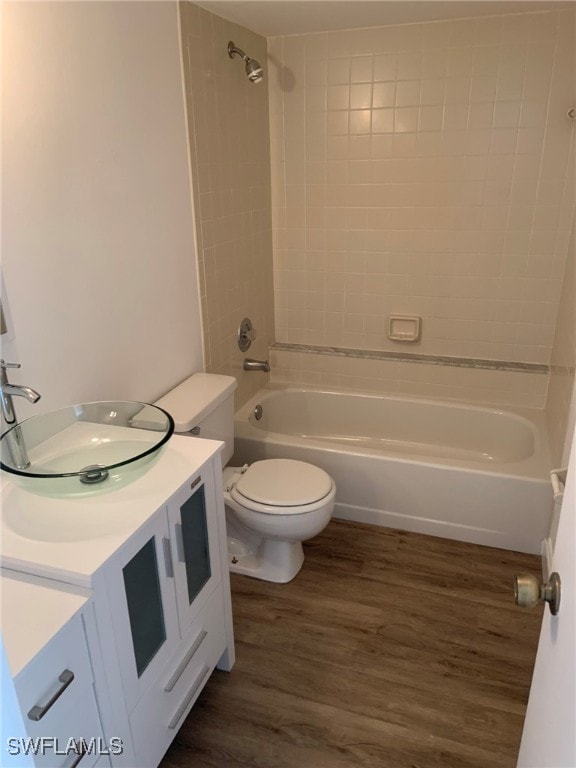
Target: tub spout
(256,365)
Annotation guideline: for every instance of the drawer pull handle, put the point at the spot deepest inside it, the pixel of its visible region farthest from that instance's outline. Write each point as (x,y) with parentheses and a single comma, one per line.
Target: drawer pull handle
(82,752)
(168,564)
(179,543)
(198,680)
(37,712)
(185,661)
(198,480)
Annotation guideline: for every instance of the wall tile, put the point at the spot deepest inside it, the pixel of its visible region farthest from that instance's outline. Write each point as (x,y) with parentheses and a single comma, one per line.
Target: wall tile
(442,177)
(489,387)
(231,184)
(561,391)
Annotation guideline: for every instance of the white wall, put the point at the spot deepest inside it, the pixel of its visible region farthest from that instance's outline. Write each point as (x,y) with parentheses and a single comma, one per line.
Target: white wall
(98,252)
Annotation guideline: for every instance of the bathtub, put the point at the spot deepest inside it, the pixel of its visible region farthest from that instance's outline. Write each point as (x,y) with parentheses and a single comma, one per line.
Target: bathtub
(464,472)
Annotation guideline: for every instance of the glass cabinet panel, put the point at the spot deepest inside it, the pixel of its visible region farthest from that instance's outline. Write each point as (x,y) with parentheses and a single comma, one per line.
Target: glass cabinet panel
(195,542)
(145,611)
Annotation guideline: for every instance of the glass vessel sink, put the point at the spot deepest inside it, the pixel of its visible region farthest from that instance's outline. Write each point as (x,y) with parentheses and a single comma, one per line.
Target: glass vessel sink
(81,447)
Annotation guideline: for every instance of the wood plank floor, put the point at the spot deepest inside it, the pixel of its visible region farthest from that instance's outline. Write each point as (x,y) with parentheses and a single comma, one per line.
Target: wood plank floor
(388,650)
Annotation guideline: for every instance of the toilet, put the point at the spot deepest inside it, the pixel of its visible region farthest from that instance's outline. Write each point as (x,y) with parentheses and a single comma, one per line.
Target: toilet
(273,505)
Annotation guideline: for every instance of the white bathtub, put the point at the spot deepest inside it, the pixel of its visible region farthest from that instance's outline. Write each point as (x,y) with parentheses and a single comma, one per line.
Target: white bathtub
(476,474)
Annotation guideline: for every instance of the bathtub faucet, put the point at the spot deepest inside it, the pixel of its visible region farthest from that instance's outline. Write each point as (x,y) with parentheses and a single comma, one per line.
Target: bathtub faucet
(256,365)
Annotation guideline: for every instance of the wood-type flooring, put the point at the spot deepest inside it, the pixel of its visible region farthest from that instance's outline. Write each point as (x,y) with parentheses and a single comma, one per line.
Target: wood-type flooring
(388,650)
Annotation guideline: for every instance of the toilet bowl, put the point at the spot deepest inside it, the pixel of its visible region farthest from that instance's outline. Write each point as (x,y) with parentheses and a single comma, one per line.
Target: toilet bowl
(272,506)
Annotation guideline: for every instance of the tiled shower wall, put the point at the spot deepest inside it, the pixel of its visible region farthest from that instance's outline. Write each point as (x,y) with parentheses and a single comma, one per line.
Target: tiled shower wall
(424,169)
(230,159)
(561,392)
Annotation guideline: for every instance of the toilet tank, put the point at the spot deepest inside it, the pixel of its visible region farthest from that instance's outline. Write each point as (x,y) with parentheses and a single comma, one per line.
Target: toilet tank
(203,405)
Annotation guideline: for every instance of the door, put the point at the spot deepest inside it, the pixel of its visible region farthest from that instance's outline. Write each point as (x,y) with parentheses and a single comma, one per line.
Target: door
(192,516)
(140,585)
(549,739)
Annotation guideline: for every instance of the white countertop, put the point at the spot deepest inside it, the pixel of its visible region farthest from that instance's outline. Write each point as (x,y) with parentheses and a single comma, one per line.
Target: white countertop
(32,613)
(69,539)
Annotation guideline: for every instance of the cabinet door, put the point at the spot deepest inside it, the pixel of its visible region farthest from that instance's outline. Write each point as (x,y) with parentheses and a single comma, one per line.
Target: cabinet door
(56,695)
(142,599)
(194,535)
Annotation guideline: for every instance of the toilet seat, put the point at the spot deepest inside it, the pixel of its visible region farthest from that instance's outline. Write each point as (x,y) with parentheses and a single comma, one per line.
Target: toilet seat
(282,486)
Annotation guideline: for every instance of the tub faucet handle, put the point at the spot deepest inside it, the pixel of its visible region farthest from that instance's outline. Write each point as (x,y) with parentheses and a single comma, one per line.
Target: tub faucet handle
(4,365)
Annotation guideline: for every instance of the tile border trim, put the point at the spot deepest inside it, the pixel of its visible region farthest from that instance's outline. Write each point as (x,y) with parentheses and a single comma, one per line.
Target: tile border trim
(411,357)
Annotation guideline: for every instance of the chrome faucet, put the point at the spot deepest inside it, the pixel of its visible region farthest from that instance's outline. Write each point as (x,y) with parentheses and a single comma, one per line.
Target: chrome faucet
(256,365)
(7,392)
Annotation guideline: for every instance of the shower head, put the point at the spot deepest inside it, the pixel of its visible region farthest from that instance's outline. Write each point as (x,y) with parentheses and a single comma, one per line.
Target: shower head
(254,71)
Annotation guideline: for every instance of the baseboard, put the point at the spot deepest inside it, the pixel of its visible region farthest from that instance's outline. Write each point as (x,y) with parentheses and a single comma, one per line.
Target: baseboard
(473,535)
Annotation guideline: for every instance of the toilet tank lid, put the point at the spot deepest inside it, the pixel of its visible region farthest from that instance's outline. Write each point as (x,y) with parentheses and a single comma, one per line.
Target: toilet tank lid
(193,399)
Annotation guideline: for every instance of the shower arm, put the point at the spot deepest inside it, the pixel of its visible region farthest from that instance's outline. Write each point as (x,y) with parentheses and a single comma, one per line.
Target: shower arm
(233,50)
(254,71)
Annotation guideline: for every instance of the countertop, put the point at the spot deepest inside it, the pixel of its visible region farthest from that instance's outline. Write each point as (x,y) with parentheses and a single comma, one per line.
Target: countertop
(69,539)
(32,614)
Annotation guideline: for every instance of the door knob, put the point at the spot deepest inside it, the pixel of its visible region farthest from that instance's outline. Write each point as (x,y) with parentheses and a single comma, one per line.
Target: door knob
(529,591)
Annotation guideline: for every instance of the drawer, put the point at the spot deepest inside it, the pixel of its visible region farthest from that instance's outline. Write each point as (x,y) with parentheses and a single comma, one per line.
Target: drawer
(54,677)
(158,716)
(78,720)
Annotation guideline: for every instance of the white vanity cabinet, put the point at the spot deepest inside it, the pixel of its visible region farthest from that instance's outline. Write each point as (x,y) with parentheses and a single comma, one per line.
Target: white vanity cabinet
(159,585)
(53,675)
(166,594)
(64,714)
